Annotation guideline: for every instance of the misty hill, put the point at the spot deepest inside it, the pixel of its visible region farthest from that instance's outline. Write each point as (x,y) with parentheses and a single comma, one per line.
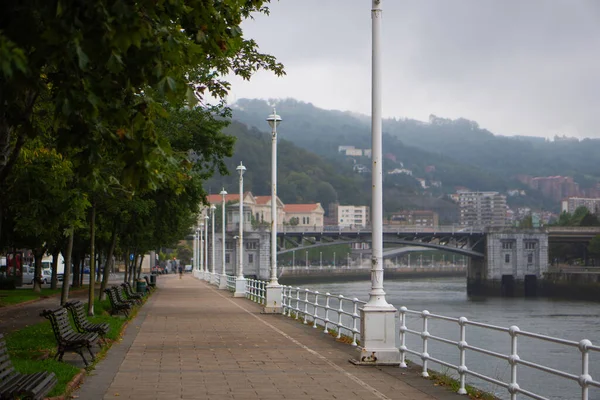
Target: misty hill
(464,154)
(304,177)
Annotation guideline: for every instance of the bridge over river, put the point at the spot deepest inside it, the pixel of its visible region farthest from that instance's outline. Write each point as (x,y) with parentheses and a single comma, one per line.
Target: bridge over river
(505,261)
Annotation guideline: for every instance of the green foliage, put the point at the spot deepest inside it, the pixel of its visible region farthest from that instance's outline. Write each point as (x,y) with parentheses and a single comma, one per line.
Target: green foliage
(10,297)
(594,246)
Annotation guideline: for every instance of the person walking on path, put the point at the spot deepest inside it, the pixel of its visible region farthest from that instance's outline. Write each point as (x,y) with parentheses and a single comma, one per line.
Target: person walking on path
(180,271)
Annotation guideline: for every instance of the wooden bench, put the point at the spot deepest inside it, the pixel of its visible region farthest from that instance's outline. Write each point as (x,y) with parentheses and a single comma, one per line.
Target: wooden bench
(15,385)
(83,325)
(148,284)
(131,295)
(115,305)
(120,294)
(66,338)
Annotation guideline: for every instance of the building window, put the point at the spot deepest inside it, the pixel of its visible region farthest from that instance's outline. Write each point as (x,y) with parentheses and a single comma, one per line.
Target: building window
(229,245)
(507,258)
(507,245)
(227,258)
(529,245)
(250,258)
(529,258)
(251,245)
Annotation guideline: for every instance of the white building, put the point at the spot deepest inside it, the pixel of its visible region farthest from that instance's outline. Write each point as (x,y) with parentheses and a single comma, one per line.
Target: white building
(356,216)
(482,209)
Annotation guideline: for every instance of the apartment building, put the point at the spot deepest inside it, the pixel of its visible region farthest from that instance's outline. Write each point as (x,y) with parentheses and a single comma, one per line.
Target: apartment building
(421,218)
(482,209)
(573,203)
(355,216)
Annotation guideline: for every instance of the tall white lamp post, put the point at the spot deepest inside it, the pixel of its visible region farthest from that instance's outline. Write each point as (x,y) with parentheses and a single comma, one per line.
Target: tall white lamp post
(378,328)
(274,289)
(213,275)
(240,282)
(194,264)
(201,247)
(223,278)
(206,271)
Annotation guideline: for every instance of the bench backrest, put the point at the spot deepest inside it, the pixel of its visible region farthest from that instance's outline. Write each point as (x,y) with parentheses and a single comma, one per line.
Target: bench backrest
(77,309)
(119,294)
(111,296)
(59,319)
(127,287)
(7,371)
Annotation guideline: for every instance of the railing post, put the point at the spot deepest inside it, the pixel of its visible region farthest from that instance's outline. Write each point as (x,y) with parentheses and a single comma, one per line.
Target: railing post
(585,377)
(284,308)
(513,360)
(403,337)
(462,344)
(424,336)
(355,317)
(305,306)
(297,302)
(340,314)
(327,296)
(315,311)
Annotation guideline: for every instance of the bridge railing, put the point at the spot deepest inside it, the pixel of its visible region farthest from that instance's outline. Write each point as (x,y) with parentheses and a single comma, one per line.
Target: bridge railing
(513,360)
(386,229)
(331,311)
(256,290)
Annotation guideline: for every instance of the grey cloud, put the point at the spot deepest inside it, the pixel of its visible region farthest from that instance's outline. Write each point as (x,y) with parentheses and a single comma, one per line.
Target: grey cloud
(516,67)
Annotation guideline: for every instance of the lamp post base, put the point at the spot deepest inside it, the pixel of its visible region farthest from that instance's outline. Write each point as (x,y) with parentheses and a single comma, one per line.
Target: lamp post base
(378,336)
(223,282)
(273,303)
(240,287)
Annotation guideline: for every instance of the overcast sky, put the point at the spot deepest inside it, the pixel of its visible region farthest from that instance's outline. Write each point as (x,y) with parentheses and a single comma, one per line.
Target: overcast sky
(516,67)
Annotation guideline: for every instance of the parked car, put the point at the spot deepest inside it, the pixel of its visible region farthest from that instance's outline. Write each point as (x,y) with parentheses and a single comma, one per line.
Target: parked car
(157,269)
(46,276)
(29,274)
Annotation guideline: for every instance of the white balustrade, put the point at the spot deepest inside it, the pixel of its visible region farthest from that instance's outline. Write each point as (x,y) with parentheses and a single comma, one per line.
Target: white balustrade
(231,283)
(323,310)
(513,359)
(256,290)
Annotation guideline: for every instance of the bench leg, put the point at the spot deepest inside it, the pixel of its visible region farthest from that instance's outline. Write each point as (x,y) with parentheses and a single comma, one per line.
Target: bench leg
(92,354)
(82,357)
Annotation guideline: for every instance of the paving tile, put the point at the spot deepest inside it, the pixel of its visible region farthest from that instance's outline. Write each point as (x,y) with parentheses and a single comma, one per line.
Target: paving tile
(192,341)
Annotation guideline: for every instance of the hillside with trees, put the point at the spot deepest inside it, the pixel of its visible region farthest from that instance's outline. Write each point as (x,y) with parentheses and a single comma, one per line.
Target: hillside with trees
(464,155)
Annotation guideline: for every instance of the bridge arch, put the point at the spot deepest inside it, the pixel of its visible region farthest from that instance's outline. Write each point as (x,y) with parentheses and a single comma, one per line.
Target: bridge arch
(450,249)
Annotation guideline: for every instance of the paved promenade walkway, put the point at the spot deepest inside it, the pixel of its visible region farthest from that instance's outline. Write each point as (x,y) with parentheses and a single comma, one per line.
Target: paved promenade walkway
(193,341)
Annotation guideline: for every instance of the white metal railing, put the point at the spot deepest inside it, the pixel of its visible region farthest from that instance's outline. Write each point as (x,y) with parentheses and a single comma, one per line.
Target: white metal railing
(584,379)
(256,290)
(332,311)
(231,283)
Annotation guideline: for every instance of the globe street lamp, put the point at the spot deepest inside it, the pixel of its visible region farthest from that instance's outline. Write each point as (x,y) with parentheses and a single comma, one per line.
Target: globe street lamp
(213,275)
(274,289)
(206,272)
(240,282)
(223,279)
(378,338)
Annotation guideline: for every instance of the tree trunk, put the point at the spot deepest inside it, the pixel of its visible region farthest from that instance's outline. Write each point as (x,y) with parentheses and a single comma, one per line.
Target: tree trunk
(139,272)
(54,281)
(126,258)
(109,262)
(76,268)
(92,260)
(38,253)
(64,297)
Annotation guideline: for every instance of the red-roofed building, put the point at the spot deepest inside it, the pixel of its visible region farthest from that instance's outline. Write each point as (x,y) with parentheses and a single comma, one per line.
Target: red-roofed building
(309,215)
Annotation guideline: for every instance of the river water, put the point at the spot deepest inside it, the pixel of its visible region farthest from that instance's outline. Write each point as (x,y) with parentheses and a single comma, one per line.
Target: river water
(571,320)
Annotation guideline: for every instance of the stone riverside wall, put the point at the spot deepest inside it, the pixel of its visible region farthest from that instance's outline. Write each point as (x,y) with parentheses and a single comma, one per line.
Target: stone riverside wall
(293,276)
